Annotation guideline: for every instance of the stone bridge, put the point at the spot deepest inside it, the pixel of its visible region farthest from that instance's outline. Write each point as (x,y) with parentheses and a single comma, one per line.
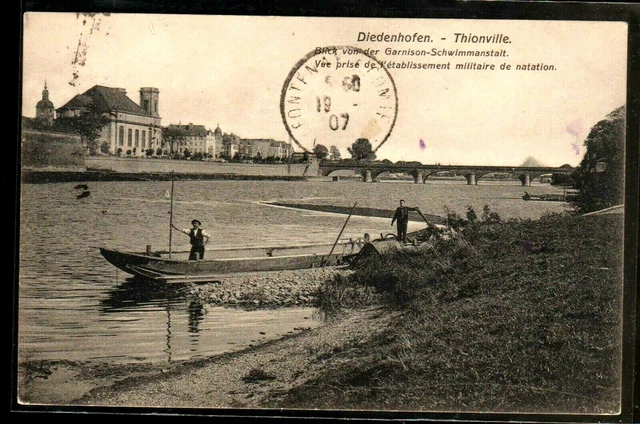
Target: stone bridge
(472,173)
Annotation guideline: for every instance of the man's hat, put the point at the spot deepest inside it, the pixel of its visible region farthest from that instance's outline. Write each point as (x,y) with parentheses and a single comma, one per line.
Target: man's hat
(194,221)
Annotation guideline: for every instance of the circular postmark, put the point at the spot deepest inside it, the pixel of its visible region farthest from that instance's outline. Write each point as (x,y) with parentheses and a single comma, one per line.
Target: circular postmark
(336,95)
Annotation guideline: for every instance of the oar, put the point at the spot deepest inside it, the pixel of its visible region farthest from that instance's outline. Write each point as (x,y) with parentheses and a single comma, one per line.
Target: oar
(340,235)
(171,214)
(423,217)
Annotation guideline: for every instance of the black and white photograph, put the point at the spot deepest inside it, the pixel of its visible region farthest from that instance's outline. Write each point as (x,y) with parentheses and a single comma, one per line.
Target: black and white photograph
(329,215)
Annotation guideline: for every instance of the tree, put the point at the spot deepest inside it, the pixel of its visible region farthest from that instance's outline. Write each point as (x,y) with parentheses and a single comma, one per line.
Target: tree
(600,175)
(228,139)
(320,151)
(104,147)
(334,153)
(173,137)
(88,125)
(361,149)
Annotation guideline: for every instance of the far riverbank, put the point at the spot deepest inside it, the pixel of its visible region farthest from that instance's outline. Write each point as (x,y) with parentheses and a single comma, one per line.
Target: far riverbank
(43,177)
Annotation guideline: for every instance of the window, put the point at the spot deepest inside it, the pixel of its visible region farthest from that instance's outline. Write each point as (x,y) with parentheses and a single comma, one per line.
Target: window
(129,137)
(121,136)
(144,137)
(137,138)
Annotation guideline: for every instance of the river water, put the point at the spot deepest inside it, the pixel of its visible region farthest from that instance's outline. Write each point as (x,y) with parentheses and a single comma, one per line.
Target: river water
(73,305)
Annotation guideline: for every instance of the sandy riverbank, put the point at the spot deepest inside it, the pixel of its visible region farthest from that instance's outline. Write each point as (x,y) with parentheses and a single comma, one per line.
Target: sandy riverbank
(253,378)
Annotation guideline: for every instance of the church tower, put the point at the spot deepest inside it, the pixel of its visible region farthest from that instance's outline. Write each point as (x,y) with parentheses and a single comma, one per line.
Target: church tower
(45,112)
(217,134)
(149,100)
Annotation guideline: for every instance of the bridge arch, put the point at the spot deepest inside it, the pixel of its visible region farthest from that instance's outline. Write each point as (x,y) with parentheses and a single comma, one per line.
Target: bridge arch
(340,172)
(375,174)
(428,173)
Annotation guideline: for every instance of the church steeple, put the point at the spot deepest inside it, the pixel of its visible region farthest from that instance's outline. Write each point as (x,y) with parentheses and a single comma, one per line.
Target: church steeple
(45,92)
(45,111)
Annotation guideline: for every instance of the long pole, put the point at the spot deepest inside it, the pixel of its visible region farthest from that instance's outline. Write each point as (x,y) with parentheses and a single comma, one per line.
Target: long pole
(171,214)
(343,227)
(423,217)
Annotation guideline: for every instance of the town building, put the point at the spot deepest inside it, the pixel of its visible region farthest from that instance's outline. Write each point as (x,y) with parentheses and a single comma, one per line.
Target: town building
(230,146)
(197,139)
(279,149)
(265,147)
(133,129)
(256,147)
(230,150)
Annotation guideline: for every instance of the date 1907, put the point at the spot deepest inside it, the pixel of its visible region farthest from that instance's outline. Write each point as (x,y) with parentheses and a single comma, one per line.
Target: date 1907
(335,98)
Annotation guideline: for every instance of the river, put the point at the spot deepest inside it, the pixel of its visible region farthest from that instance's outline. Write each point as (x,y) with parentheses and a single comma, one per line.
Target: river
(73,305)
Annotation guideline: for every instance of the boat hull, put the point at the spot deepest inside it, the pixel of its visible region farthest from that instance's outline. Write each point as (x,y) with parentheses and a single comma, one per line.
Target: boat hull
(150,266)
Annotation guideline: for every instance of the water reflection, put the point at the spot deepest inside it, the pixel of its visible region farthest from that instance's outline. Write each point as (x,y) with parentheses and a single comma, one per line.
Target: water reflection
(196,314)
(135,293)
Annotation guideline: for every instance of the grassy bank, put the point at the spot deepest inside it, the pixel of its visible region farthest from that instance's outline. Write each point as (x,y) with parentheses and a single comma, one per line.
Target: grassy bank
(516,316)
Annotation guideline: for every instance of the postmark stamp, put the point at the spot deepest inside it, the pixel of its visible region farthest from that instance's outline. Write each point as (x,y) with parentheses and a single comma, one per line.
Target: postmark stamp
(336,95)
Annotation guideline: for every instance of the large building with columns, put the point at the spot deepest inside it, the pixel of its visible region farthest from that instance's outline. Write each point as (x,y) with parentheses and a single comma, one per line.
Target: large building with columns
(133,128)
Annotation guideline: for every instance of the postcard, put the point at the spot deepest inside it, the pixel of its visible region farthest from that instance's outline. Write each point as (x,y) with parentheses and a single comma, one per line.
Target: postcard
(396,215)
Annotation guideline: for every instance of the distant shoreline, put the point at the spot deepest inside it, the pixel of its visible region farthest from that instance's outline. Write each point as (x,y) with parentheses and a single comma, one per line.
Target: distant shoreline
(43,177)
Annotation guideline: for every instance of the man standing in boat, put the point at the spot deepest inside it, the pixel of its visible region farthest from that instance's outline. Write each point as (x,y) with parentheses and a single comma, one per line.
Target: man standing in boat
(198,238)
(401,216)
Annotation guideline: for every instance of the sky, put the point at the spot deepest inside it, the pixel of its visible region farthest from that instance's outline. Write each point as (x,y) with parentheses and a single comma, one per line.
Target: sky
(230,71)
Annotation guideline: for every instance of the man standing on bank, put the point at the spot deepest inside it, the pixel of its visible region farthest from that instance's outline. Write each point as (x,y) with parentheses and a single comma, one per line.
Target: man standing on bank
(198,238)
(402,218)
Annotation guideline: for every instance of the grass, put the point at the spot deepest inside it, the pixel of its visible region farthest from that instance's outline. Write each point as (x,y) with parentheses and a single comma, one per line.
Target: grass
(520,316)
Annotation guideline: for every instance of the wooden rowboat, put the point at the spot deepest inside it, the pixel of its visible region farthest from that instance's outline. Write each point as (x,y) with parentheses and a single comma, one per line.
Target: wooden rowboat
(175,267)
(219,263)
(566,196)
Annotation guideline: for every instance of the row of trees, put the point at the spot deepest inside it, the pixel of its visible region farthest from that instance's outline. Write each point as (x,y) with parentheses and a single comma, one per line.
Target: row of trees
(88,125)
(361,149)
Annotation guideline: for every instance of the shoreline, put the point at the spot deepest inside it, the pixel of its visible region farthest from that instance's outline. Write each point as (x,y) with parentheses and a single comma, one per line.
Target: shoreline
(44,177)
(257,374)
(62,382)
